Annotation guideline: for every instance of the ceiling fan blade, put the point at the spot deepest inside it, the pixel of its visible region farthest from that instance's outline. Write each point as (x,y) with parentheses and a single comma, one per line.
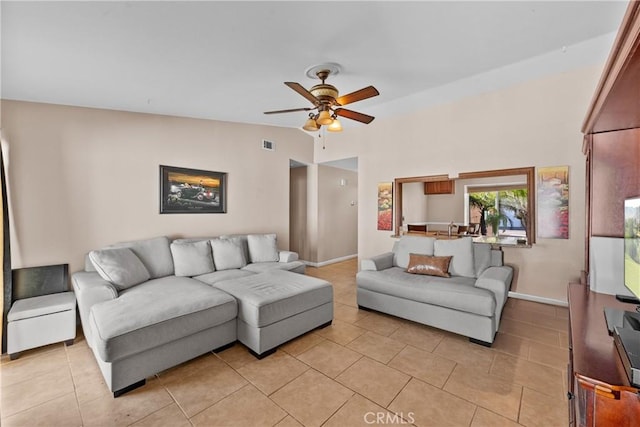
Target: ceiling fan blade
(289,111)
(354,115)
(359,95)
(302,91)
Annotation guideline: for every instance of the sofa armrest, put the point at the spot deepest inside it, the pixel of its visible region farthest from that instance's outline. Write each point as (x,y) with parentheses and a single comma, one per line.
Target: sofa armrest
(90,289)
(497,280)
(378,262)
(288,256)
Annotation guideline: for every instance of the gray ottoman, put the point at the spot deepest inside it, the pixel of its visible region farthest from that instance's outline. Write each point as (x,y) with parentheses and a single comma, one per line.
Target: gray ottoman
(276,306)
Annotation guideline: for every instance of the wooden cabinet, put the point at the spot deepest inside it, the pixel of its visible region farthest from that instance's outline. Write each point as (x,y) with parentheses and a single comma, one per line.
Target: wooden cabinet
(599,390)
(612,134)
(440,187)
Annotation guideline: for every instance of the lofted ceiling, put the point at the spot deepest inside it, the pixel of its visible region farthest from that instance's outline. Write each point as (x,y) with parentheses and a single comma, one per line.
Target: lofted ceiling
(228,60)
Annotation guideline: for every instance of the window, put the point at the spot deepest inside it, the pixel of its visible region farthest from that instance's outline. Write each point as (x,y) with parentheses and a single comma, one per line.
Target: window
(503,207)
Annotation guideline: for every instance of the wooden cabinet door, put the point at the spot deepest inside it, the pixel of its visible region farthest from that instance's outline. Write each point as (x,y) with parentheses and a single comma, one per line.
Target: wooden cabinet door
(439,187)
(603,405)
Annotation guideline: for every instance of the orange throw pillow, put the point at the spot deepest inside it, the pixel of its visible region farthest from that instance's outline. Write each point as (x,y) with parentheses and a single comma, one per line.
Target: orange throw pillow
(429,265)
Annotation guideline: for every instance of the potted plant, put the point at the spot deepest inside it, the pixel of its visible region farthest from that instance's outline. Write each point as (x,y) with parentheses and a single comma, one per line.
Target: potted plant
(495,218)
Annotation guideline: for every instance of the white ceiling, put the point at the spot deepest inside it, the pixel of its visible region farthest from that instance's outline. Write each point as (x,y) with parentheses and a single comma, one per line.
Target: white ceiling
(228,60)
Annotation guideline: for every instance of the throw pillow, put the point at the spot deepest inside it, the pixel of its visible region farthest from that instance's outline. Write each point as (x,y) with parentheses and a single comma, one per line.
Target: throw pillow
(154,254)
(462,263)
(482,257)
(429,265)
(242,238)
(228,253)
(263,248)
(119,266)
(411,244)
(192,258)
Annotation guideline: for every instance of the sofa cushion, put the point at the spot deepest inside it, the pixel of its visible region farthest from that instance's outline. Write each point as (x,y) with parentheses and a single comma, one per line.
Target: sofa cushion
(220,275)
(228,253)
(155,313)
(259,267)
(119,266)
(154,254)
(408,245)
(263,248)
(482,257)
(242,238)
(456,292)
(429,265)
(192,258)
(462,263)
(269,297)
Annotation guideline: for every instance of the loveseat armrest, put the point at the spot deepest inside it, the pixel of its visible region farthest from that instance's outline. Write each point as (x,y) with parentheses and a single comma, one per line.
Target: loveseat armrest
(378,262)
(90,289)
(497,280)
(288,256)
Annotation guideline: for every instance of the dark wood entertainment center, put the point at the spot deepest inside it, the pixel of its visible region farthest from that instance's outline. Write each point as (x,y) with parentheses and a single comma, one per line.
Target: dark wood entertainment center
(599,390)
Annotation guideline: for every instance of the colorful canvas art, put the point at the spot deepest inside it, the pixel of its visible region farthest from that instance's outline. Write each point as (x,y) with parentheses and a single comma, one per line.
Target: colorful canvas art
(553,202)
(385,206)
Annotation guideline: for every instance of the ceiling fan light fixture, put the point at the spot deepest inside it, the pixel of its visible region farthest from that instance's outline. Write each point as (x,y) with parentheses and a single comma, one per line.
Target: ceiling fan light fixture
(310,125)
(335,126)
(324,118)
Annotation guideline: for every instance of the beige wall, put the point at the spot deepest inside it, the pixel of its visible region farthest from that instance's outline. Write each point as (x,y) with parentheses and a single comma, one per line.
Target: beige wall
(535,123)
(298,241)
(337,217)
(83,178)
(414,202)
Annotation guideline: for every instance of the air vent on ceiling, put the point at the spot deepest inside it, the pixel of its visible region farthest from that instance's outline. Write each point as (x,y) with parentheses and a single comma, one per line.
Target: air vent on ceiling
(268,145)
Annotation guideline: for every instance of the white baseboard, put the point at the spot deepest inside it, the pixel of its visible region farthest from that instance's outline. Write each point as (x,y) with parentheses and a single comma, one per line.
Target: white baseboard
(331,261)
(542,300)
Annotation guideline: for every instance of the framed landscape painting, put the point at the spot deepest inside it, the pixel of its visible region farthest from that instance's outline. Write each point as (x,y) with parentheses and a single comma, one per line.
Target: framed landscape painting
(185,190)
(553,202)
(385,206)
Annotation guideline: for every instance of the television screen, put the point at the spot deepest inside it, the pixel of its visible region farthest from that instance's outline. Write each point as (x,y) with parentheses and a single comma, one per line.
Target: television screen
(35,281)
(632,245)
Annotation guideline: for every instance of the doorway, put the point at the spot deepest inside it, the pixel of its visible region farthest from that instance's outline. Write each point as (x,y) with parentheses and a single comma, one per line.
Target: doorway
(323,211)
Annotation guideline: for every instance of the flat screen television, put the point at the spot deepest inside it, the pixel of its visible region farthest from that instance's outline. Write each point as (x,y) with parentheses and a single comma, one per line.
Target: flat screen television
(626,329)
(632,245)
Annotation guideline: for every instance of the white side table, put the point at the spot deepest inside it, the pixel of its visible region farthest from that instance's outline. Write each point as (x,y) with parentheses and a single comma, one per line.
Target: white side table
(39,321)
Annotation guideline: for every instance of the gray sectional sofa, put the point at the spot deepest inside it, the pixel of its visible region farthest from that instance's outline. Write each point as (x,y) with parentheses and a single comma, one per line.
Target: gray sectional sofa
(148,305)
(469,302)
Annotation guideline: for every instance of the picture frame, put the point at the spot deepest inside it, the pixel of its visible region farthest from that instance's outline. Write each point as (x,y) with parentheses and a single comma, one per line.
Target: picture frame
(553,202)
(184,190)
(385,206)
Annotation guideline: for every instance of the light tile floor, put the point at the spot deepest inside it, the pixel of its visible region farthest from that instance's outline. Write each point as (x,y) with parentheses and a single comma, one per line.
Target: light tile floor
(365,369)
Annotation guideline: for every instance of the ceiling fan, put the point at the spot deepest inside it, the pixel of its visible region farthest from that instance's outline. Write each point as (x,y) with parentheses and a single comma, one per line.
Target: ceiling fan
(325,100)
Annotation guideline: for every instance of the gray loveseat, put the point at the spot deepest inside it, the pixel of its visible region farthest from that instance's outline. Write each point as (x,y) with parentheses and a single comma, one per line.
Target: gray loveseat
(148,305)
(469,302)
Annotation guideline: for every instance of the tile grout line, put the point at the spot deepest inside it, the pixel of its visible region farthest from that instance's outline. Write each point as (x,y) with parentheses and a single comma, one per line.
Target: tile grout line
(75,387)
(520,405)
(174,401)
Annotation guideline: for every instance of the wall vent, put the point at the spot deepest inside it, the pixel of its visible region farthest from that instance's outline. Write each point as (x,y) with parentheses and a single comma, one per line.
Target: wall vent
(268,145)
